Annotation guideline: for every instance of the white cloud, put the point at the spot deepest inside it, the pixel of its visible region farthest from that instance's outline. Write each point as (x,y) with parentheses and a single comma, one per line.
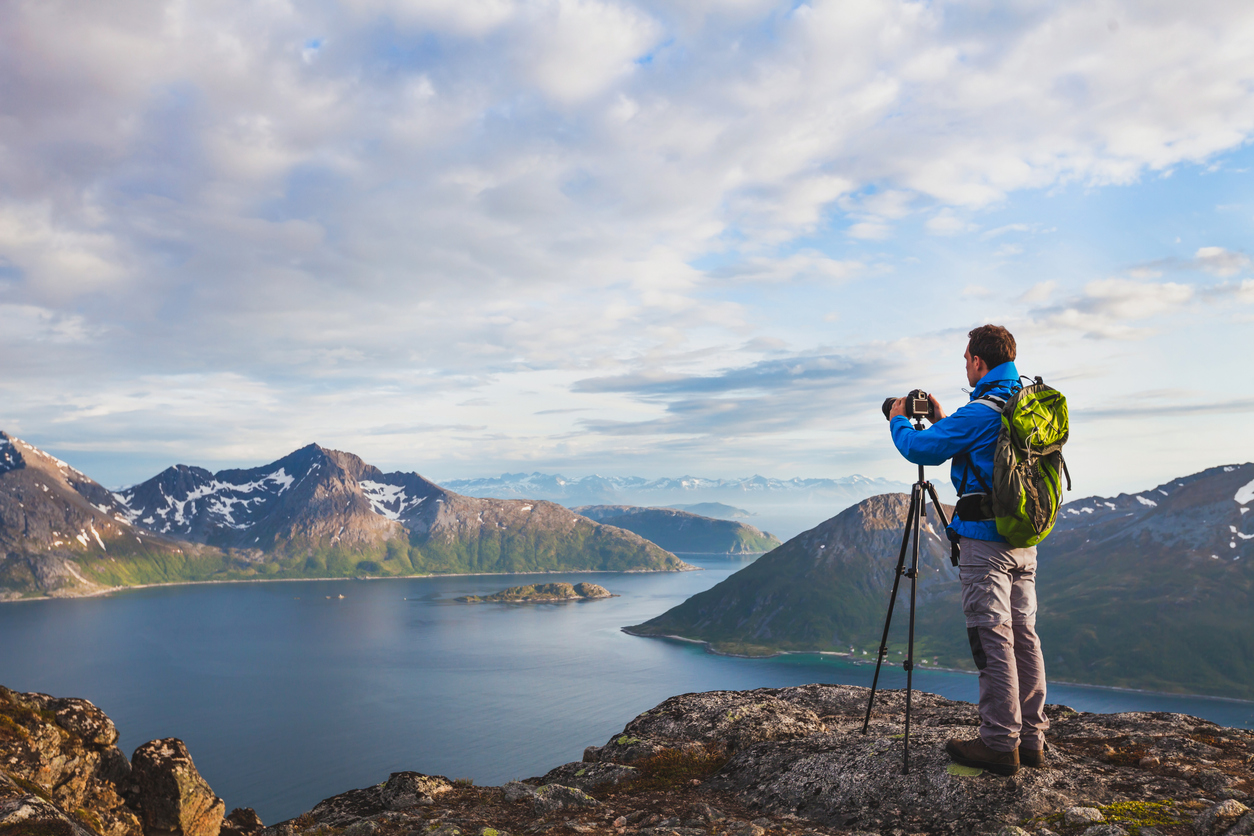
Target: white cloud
(1114,308)
(1039,292)
(1221,262)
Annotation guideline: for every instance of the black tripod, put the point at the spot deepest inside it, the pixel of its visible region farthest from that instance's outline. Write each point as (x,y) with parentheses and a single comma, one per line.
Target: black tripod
(914,519)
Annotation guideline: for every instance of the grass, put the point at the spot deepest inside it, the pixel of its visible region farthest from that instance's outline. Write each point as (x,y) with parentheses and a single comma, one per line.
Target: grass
(673,768)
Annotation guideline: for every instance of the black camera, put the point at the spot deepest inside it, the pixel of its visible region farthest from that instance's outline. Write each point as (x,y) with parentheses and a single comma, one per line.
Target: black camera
(918,405)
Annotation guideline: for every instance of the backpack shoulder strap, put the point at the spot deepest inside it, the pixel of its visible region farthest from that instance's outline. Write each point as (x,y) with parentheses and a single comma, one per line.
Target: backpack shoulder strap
(992,402)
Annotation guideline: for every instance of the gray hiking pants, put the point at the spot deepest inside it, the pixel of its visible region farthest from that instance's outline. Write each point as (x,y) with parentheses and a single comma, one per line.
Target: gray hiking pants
(999,602)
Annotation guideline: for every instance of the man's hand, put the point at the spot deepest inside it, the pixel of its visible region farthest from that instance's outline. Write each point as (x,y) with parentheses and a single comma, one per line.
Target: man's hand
(937,411)
(898,410)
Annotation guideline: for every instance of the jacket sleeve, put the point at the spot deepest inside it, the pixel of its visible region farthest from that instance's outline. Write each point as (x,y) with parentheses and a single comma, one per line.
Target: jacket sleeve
(953,434)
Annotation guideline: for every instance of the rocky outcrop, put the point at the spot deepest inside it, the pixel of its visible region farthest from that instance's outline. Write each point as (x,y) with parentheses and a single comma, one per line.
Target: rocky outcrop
(63,751)
(794,761)
(173,798)
(767,762)
(61,773)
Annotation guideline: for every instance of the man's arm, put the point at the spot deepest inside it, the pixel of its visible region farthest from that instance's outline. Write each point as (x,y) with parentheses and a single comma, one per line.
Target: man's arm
(943,440)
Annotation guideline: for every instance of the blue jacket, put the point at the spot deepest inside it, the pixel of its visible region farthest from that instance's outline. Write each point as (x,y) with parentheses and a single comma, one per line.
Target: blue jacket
(969,437)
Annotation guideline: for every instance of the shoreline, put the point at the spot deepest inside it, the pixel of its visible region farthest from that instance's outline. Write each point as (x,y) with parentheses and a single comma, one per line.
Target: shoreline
(113,589)
(1121,688)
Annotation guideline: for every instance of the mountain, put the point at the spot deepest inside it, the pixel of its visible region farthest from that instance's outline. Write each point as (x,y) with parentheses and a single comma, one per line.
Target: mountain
(1149,590)
(680,531)
(62,534)
(717,510)
(635,490)
(312,513)
(826,589)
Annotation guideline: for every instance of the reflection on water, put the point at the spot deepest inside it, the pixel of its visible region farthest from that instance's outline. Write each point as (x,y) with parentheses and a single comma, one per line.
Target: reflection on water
(286,696)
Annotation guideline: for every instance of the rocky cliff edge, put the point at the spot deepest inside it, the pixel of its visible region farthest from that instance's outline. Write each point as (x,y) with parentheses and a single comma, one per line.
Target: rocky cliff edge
(743,763)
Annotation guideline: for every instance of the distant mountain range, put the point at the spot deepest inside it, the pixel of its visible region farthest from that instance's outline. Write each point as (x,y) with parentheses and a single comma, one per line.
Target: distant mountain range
(751,492)
(1149,590)
(312,513)
(681,531)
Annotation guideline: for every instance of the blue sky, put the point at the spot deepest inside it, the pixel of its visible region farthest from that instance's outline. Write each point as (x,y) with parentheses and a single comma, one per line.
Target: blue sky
(470,236)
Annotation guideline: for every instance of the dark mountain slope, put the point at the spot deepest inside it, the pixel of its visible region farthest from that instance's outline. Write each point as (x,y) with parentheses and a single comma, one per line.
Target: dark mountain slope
(826,589)
(1151,590)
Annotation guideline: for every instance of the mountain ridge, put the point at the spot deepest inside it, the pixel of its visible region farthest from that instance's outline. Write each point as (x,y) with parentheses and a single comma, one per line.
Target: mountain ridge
(312,513)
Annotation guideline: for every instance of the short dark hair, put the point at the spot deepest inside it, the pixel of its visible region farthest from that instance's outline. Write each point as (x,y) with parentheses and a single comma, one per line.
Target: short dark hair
(993,343)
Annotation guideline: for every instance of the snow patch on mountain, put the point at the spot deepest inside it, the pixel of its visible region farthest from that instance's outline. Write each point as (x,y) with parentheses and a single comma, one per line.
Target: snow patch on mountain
(389,501)
(1246,494)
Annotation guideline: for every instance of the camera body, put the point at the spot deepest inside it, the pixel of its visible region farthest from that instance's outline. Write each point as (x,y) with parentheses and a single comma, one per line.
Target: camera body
(918,405)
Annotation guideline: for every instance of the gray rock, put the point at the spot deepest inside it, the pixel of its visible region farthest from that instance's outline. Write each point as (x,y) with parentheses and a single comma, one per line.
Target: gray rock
(242,821)
(412,789)
(1105,830)
(365,827)
(590,776)
(553,797)
(1013,830)
(1082,815)
(1244,827)
(726,720)
(1219,819)
(517,791)
(173,798)
(348,807)
(742,828)
(30,814)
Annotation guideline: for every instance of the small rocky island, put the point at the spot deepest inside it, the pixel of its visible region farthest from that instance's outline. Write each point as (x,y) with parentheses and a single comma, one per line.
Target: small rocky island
(767,762)
(540,593)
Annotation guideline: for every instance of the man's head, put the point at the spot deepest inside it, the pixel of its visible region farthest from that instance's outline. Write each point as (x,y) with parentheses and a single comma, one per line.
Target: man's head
(989,346)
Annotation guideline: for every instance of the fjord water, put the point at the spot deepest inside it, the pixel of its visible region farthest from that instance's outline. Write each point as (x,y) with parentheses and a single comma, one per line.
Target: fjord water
(286,693)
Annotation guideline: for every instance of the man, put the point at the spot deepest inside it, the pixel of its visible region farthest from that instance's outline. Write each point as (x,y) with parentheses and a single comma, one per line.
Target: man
(998,582)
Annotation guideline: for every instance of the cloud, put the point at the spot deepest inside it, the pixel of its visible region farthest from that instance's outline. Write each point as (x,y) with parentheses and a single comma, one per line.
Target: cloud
(946,222)
(1221,262)
(387,201)
(807,264)
(1214,260)
(1110,308)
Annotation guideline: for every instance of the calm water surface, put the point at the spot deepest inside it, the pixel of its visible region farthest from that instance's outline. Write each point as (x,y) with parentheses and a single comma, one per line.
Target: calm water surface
(286,696)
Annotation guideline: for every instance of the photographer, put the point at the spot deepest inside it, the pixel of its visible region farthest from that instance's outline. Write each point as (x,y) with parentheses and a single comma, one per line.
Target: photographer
(998,581)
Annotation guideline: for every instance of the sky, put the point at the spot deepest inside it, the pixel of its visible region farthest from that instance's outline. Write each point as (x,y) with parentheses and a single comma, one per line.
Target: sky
(465,237)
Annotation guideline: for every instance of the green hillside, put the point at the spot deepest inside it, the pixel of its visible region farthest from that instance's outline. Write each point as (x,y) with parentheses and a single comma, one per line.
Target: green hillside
(682,531)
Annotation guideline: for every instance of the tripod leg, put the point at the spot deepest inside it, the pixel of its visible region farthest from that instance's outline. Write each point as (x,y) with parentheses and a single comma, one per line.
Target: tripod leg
(936,503)
(916,499)
(913,574)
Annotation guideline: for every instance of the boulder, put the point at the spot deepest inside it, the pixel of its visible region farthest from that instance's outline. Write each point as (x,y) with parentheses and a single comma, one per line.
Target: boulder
(412,789)
(173,799)
(590,776)
(66,748)
(722,720)
(553,797)
(242,821)
(30,814)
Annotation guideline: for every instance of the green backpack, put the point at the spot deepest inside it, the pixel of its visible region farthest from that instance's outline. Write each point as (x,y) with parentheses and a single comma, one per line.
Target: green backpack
(1028,465)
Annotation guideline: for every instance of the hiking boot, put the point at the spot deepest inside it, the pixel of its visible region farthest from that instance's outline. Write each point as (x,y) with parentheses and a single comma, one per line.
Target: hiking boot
(975,753)
(1034,758)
